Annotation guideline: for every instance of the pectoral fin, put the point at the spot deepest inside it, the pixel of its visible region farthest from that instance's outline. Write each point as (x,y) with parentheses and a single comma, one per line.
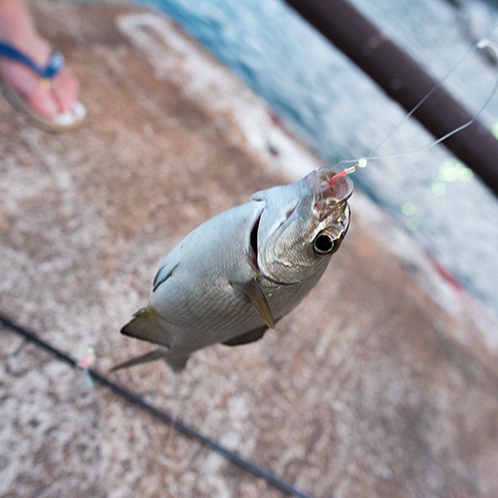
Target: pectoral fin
(258,299)
(148,326)
(248,337)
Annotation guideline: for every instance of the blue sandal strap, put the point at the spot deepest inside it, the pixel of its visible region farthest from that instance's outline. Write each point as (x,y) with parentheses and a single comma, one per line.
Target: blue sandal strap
(54,65)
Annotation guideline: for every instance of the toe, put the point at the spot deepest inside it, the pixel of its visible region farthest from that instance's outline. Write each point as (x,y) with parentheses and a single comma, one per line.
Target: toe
(65,90)
(27,85)
(58,98)
(43,102)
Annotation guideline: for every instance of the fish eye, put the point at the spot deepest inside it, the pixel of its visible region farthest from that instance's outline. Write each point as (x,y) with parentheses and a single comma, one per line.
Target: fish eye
(324,244)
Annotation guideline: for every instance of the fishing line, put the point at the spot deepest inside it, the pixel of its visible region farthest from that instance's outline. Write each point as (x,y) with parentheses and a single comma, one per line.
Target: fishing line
(485,42)
(481,45)
(410,114)
(175,422)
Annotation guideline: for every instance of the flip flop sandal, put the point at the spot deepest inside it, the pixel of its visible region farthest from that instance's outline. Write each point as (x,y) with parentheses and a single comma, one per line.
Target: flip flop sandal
(61,122)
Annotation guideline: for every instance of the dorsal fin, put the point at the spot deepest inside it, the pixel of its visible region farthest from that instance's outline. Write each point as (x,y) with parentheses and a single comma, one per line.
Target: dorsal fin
(162,275)
(148,326)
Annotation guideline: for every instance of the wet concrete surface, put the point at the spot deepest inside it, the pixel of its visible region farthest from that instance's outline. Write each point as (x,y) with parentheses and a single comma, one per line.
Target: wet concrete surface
(381,383)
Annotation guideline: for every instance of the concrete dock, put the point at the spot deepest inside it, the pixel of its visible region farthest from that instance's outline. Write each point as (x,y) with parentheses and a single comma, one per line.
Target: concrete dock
(382,383)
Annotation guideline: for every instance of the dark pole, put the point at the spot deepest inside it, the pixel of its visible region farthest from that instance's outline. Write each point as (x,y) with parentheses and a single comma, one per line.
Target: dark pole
(404,81)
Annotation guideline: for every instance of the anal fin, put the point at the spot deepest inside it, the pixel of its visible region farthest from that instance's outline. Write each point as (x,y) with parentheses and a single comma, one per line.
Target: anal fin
(248,337)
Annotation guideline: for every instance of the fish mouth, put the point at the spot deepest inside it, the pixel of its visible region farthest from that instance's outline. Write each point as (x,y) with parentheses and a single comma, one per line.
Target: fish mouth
(329,197)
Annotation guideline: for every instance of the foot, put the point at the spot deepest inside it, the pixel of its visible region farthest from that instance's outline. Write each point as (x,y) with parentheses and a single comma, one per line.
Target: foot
(58,98)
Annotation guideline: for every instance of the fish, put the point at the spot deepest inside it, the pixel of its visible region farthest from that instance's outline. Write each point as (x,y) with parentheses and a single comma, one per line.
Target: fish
(236,275)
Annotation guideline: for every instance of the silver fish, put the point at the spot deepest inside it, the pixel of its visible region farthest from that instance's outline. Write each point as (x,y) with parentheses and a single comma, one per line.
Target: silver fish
(237,274)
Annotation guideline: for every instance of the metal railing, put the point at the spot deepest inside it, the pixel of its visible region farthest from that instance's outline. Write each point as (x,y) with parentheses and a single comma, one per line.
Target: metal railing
(405,81)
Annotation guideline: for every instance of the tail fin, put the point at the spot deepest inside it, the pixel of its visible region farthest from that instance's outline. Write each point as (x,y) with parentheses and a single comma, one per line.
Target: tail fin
(150,356)
(177,363)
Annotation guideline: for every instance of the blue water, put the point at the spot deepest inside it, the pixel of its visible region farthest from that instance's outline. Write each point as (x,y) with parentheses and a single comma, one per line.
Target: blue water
(331,105)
